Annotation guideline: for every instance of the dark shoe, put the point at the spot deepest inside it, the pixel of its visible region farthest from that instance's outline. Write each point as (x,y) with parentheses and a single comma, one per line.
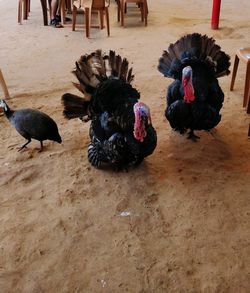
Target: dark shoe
(55,23)
(58,17)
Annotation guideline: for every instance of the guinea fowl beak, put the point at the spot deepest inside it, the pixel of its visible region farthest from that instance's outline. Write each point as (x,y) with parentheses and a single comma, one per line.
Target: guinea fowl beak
(3,105)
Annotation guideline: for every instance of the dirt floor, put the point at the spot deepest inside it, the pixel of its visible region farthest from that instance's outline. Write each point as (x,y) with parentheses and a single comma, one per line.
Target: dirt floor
(178,223)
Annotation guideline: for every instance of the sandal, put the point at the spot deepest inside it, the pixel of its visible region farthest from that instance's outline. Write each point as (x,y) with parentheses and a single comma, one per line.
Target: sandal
(58,17)
(55,23)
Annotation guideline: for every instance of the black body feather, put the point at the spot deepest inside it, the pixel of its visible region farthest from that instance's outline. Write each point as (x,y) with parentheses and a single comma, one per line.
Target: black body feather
(208,63)
(109,98)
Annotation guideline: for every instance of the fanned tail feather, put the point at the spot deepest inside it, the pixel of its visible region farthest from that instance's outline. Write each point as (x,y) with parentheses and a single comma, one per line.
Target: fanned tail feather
(93,68)
(74,106)
(192,48)
(119,67)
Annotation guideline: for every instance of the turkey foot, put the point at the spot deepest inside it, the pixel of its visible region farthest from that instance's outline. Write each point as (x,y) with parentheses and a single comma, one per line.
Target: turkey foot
(192,136)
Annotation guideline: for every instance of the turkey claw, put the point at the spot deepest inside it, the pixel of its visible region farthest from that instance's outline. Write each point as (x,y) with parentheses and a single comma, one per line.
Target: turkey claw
(192,136)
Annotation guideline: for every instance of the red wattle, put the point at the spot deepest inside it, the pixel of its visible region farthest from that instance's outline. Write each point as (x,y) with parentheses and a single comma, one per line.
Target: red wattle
(189,93)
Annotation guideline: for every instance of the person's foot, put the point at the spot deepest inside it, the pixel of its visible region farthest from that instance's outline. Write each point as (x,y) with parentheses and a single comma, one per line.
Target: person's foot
(55,23)
(58,17)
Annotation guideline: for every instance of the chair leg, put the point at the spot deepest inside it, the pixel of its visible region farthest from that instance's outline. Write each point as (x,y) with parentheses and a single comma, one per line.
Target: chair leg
(25,9)
(249,130)
(122,11)
(248,106)
(247,85)
(236,63)
(87,21)
(74,18)
(142,11)
(45,13)
(118,10)
(248,101)
(145,8)
(19,16)
(4,86)
(101,19)
(107,20)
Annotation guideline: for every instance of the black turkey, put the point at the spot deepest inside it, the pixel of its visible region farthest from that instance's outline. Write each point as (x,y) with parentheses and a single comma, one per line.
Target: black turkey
(121,130)
(194,99)
(31,123)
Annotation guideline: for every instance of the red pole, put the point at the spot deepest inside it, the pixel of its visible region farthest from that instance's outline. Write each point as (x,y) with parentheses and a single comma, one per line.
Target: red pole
(215,14)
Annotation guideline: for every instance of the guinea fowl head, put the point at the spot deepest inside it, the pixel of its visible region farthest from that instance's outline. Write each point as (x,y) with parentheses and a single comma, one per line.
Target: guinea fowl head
(4,105)
(187,83)
(142,119)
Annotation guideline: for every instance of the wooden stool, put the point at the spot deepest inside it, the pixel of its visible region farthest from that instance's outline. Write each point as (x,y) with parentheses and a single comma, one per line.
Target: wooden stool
(243,55)
(4,86)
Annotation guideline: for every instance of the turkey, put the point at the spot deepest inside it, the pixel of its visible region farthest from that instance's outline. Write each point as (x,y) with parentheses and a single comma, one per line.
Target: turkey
(31,123)
(121,130)
(194,99)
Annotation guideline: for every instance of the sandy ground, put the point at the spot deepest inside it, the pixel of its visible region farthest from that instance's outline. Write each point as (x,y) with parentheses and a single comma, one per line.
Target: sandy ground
(178,223)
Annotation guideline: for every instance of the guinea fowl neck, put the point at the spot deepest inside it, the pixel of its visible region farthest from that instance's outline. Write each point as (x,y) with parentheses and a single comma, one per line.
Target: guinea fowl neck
(7,111)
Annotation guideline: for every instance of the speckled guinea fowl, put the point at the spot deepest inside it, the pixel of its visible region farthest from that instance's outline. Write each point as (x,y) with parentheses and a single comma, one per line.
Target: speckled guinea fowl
(32,124)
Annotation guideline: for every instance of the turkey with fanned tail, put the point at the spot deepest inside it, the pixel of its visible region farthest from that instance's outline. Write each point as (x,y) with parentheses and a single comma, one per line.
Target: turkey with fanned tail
(121,130)
(194,99)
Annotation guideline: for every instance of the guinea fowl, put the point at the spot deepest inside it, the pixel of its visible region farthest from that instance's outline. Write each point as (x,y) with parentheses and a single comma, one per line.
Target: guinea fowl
(31,123)
(195,98)
(121,131)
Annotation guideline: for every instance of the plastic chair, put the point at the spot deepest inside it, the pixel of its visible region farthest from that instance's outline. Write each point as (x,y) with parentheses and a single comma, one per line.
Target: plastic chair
(122,9)
(88,6)
(24,9)
(243,55)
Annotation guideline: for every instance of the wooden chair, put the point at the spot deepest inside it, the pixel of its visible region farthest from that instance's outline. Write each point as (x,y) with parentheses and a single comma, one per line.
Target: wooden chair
(89,6)
(122,9)
(4,86)
(243,55)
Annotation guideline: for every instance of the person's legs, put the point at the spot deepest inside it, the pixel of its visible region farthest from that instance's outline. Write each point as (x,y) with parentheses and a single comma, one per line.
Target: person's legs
(58,12)
(55,11)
